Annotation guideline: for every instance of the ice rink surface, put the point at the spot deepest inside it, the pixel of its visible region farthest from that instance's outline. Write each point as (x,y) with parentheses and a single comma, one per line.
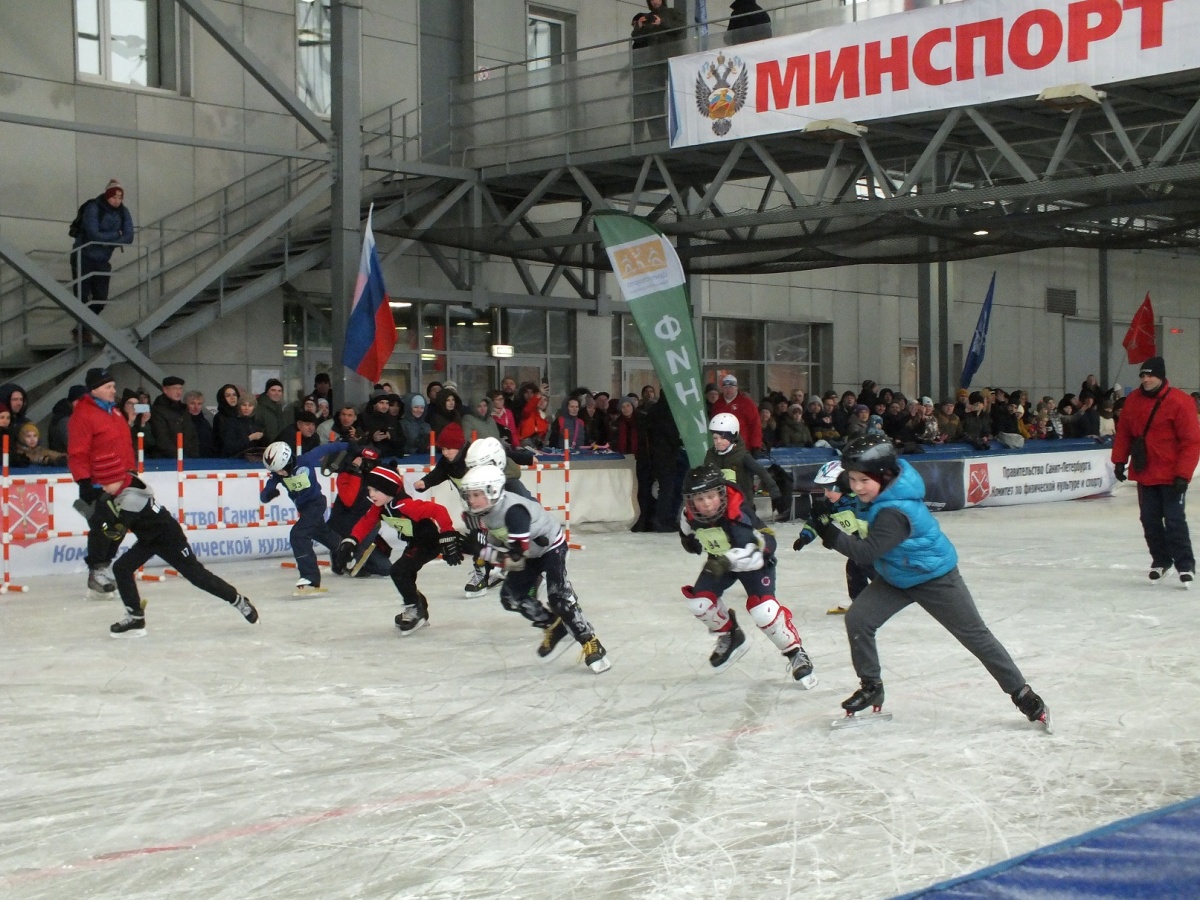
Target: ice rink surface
(320,754)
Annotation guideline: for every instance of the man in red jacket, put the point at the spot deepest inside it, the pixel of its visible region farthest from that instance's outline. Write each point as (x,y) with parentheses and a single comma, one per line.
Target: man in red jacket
(1163,421)
(99,452)
(746,411)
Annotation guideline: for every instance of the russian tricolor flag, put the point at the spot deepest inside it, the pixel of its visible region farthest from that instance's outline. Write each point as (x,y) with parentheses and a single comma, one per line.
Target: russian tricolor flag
(370,331)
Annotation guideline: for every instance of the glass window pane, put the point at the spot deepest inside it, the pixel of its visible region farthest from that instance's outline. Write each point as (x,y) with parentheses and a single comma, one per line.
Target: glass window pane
(525,329)
(710,339)
(474,381)
(785,378)
(637,377)
(89,55)
(634,346)
(399,375)
(128,41)
(616,336)
(560,379)
(408,335)
(433,327)
(313,55)
(87,17)
(787,342)
(470,330)
(739,340)
(560,332)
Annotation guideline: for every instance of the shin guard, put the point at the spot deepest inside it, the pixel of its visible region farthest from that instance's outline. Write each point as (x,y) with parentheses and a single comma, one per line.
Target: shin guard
(708,608)
(775,621)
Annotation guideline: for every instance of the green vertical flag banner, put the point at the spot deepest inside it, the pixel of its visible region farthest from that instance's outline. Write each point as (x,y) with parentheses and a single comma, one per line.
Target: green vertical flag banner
(652,279)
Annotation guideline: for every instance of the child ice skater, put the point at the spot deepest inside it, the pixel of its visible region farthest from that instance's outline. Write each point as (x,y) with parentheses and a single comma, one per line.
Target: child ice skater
(835,483)
(425,526)
(729,454)
(130,503)
(516,533)
(718,521)
(299,476)
(915,563)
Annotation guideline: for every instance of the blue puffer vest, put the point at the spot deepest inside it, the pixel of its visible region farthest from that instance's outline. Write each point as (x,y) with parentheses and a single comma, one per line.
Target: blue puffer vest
(926,553)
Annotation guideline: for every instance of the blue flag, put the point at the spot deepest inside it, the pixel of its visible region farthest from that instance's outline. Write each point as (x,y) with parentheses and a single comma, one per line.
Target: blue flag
(979,342)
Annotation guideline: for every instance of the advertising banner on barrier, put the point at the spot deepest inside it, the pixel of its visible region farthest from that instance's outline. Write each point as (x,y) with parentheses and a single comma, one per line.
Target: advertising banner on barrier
(940,57)
(1037,477)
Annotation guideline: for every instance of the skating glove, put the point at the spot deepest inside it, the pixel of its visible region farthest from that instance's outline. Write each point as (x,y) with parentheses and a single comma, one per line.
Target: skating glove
(1180,484)
(717,566)
(343,555)
(267,496)
(1119,471)
(826,529)
(691,543)
(744,559)
(806,537)
(451,551)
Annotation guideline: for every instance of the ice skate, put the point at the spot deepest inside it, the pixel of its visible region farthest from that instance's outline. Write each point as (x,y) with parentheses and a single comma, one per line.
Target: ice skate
(1032,707)
(1186,579)
(594,655)
(800,667)
(836,611)
(305,588)
(482,581)
(552,640)
(414,617)
(731,646)
(100,584)
(870,693)
(130,626)
(1158,573)
(246,608)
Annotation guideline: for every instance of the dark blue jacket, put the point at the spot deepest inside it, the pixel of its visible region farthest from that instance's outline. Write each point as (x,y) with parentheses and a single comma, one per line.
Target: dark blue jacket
(103,223)
(926,553)
(302,482)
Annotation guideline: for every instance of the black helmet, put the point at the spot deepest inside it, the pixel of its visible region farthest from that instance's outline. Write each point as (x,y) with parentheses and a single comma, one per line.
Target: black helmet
(871,455)
(701,480)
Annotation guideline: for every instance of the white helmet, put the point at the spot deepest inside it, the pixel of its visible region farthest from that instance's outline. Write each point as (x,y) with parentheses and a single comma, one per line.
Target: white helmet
(486,451)
(277,456)
(488,479)
(828,473)
(725,422)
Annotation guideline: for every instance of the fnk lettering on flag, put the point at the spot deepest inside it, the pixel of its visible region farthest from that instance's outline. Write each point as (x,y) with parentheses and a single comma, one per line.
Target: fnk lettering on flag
(370,330)
(979,342)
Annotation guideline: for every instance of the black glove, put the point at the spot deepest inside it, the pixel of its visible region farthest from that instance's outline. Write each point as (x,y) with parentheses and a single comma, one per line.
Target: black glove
(803,540)
(343,555)
(821,508)
(717,566)
(1180,484)
(691,543)
(1119,471)
(826,529)
(472,542)
(87,491)
(451,549)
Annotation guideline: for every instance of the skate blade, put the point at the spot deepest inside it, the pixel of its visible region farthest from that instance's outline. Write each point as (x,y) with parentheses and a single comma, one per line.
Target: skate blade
(808,682)
(310,591)
(405,632)
(122,635)
(836,611)
(600,666)
(733,657)
(100,595)
(1047,722)
(860,720)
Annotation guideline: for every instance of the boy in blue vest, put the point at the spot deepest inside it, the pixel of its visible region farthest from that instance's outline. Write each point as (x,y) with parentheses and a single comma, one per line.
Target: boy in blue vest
(915,563)
(835,482)
(299,476)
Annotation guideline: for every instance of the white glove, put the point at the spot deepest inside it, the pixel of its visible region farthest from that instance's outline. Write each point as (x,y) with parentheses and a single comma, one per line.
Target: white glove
(744,559)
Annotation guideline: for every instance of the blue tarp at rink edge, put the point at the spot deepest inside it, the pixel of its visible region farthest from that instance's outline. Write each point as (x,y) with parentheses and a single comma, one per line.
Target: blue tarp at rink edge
(1155,856)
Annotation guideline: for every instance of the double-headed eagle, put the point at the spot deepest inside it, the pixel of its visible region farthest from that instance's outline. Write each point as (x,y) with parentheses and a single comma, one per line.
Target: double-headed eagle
(716,97)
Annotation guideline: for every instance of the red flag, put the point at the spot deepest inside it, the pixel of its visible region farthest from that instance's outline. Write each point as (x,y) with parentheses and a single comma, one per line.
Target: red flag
(1139,339)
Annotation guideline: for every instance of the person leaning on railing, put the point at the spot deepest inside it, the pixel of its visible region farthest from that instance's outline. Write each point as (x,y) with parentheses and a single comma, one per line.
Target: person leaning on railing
(104,222)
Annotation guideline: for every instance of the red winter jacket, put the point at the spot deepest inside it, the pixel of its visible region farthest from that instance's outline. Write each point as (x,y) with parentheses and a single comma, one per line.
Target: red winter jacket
(746,411)
(1173,444)
(99,444)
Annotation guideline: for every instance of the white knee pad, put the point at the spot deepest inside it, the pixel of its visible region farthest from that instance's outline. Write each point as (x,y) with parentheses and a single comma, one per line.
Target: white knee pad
(712,613)
(775,622)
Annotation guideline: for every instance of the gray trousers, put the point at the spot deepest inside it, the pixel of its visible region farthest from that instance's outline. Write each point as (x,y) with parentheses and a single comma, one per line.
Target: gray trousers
(949,601)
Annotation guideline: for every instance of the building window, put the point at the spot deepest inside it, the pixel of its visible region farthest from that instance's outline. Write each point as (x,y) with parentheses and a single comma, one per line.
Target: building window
(313,55)
(549,37)
(137,42)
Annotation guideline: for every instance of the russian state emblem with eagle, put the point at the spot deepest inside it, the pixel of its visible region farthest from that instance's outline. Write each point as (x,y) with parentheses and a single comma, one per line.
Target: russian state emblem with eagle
(721,89)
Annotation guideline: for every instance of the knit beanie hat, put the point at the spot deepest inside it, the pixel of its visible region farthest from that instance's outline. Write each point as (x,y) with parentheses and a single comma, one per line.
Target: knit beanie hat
(97,377)
(113,187)
(1155,366)
(452,437)
(386,481)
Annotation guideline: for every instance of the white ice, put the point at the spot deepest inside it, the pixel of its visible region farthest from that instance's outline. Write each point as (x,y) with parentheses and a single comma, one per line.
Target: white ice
(320,754)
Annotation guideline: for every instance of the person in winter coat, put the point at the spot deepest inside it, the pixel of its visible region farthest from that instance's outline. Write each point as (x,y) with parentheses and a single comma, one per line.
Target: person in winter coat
(503,416)
(915,564)
(569,427)
(477,422)
(380,429)
(105,223)
(272,413)
(1158,437)
(747,22)
(413,426)
(534,429)
(139,423)
(653,33)
(792,430)
(732,400)
(737,466)
(12,395)
(444,408)
(169,417)
(228,400)
(60,415)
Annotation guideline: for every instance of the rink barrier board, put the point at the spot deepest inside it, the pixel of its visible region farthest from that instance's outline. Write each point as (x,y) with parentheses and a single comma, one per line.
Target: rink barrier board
(1153,854)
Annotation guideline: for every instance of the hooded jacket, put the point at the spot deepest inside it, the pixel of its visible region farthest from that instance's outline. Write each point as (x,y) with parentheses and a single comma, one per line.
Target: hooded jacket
(415,429)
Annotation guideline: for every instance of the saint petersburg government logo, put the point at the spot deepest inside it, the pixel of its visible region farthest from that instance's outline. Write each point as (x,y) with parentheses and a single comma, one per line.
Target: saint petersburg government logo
(721,89)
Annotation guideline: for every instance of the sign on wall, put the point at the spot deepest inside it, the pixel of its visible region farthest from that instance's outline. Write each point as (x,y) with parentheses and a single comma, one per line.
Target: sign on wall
(968,53)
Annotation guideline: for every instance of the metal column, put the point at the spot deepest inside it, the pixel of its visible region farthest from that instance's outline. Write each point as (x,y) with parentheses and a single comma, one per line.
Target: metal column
(1105,321)
(345,212)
